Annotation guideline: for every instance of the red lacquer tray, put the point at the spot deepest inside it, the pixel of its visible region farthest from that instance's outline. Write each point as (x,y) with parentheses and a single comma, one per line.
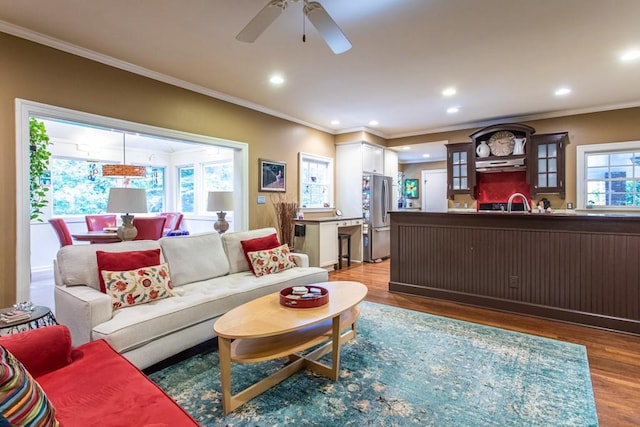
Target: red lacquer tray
(287,300)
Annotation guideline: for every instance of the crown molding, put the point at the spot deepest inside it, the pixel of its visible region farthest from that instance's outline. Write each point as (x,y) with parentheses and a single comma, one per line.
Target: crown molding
(520,118)
(58,44)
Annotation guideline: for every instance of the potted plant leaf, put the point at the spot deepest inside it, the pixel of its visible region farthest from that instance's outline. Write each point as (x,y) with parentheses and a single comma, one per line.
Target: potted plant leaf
(39,157)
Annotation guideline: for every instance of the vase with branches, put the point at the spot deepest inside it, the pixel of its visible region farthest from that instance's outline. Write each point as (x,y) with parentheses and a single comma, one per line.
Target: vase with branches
(285,217)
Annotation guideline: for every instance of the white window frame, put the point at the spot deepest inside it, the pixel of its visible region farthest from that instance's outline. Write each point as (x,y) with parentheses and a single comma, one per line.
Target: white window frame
(581,172)
(306,157)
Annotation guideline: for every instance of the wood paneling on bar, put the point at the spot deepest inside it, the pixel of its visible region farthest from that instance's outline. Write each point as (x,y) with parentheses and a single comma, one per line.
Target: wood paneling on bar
(583,269)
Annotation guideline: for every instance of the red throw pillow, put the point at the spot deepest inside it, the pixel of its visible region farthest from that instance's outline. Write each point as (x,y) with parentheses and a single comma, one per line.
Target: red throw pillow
(259,244)
(125,261)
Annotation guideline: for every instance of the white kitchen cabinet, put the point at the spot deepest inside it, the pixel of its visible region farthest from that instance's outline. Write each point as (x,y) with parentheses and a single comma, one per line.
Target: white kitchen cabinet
(391,169)
(372,159)
(353,160)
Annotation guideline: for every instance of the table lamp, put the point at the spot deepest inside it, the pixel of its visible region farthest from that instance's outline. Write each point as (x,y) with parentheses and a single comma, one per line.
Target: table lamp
(129,200)
(220,201)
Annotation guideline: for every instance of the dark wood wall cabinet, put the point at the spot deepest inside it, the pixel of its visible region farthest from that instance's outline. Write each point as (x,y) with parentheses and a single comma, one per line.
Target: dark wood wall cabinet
(461,173)
(507,148)
(575,268)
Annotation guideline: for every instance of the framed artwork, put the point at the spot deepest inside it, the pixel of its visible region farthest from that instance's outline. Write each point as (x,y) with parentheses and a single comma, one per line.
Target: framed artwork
(273,176)
(411,188)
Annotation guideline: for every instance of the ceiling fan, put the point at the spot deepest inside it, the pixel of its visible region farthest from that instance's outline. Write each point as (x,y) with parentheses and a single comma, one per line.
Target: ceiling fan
(313,10)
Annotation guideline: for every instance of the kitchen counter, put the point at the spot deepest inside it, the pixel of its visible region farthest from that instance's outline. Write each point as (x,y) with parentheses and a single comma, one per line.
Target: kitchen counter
(330,218)
(581,268)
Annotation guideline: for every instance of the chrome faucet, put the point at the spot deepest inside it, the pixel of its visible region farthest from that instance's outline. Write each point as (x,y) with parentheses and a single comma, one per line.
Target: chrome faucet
(527,207)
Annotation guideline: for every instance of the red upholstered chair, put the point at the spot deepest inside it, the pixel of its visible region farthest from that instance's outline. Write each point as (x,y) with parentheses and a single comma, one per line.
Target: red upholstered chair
(99,222)
(149,228)
(60,227)
(174,219)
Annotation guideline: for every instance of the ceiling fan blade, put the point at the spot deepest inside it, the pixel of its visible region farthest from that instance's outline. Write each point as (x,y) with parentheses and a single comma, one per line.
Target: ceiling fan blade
(261,21)
(327,27)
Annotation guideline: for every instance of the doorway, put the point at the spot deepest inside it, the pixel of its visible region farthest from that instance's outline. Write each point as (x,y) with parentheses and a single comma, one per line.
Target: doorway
(26,109)
(434,190)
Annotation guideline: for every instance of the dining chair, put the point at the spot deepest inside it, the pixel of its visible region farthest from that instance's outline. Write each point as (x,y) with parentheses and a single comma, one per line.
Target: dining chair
(149,228)
(99,222)
(174,219)
(62,231)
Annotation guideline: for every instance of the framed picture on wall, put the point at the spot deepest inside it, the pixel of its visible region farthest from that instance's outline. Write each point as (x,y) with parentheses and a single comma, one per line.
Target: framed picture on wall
(273,176)
(411,188)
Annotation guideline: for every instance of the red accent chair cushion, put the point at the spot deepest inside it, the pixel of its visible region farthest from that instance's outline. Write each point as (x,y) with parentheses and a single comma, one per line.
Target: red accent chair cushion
(259,244)
(125,261)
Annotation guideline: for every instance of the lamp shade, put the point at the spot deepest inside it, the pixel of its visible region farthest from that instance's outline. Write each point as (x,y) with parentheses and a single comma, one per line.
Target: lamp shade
(127,200)
(220,201)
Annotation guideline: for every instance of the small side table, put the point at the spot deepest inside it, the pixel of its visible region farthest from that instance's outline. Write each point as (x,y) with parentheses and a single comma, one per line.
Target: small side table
(40,316)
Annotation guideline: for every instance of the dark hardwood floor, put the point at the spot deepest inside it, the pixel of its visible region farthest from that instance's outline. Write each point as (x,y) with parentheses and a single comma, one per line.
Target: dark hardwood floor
(614,358)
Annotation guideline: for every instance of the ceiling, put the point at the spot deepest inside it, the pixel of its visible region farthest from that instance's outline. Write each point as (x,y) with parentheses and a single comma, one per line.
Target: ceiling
(506,58)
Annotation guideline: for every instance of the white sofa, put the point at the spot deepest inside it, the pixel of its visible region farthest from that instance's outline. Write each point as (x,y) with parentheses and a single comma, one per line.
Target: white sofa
(210,276)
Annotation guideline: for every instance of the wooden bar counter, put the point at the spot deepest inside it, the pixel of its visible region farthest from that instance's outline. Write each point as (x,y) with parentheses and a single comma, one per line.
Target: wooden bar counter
(577,268)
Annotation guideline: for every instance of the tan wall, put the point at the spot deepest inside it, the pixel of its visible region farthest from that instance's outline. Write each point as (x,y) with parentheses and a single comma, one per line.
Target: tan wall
(593,128)
(41,74)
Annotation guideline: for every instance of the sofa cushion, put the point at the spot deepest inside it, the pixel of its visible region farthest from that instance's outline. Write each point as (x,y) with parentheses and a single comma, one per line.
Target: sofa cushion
(195,303)
(22,400)
(259,244)
(233,248)
(138,286)
(102,388)
(195,257)
(77,264)
(124,261)
(271,261)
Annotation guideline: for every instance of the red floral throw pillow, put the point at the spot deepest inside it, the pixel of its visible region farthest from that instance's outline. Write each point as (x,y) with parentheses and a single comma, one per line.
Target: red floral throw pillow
(271,260)
(125,261)
(138,286)
(259,244)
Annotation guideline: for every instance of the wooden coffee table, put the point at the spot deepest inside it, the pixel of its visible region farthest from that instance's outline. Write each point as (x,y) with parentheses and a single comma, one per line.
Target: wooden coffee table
(263,329)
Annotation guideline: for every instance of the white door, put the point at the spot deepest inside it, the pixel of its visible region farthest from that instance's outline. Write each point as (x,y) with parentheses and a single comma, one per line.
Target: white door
(434,190)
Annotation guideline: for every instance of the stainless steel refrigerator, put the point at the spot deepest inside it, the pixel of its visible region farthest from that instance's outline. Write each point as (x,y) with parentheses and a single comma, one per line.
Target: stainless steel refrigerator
(376,204)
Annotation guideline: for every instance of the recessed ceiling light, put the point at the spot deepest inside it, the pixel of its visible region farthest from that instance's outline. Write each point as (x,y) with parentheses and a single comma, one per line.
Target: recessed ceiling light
(450,91)
(406,148)
(630,55)
(453,110)
(373,123)
(562,91)
(335,122)
(277,79)
(426,155)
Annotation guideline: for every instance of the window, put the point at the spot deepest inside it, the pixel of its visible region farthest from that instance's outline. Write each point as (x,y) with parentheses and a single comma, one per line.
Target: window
(608,176)
(316,182)
(186,184)
(78,187)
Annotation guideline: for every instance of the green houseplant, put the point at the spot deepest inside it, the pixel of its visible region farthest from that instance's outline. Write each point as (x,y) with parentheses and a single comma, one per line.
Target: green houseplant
(38,168)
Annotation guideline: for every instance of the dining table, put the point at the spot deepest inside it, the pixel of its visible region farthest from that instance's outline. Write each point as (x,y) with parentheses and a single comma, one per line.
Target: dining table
(97,236)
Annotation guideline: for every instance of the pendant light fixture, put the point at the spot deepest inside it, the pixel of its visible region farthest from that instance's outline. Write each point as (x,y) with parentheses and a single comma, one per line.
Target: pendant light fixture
(124,170)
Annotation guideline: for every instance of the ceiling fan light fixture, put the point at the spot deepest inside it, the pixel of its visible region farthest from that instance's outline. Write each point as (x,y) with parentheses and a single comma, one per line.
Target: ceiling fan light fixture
(327,27)
(312,10)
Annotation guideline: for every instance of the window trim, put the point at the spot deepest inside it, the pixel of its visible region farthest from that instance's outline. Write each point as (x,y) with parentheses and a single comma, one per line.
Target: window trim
(581,172)
(302,157)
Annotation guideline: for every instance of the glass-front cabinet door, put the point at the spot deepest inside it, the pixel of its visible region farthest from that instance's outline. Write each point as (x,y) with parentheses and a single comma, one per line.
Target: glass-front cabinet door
(547,164)
(460,169)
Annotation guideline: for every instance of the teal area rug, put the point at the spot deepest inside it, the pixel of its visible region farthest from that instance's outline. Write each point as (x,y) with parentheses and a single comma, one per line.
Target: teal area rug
(406,368)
